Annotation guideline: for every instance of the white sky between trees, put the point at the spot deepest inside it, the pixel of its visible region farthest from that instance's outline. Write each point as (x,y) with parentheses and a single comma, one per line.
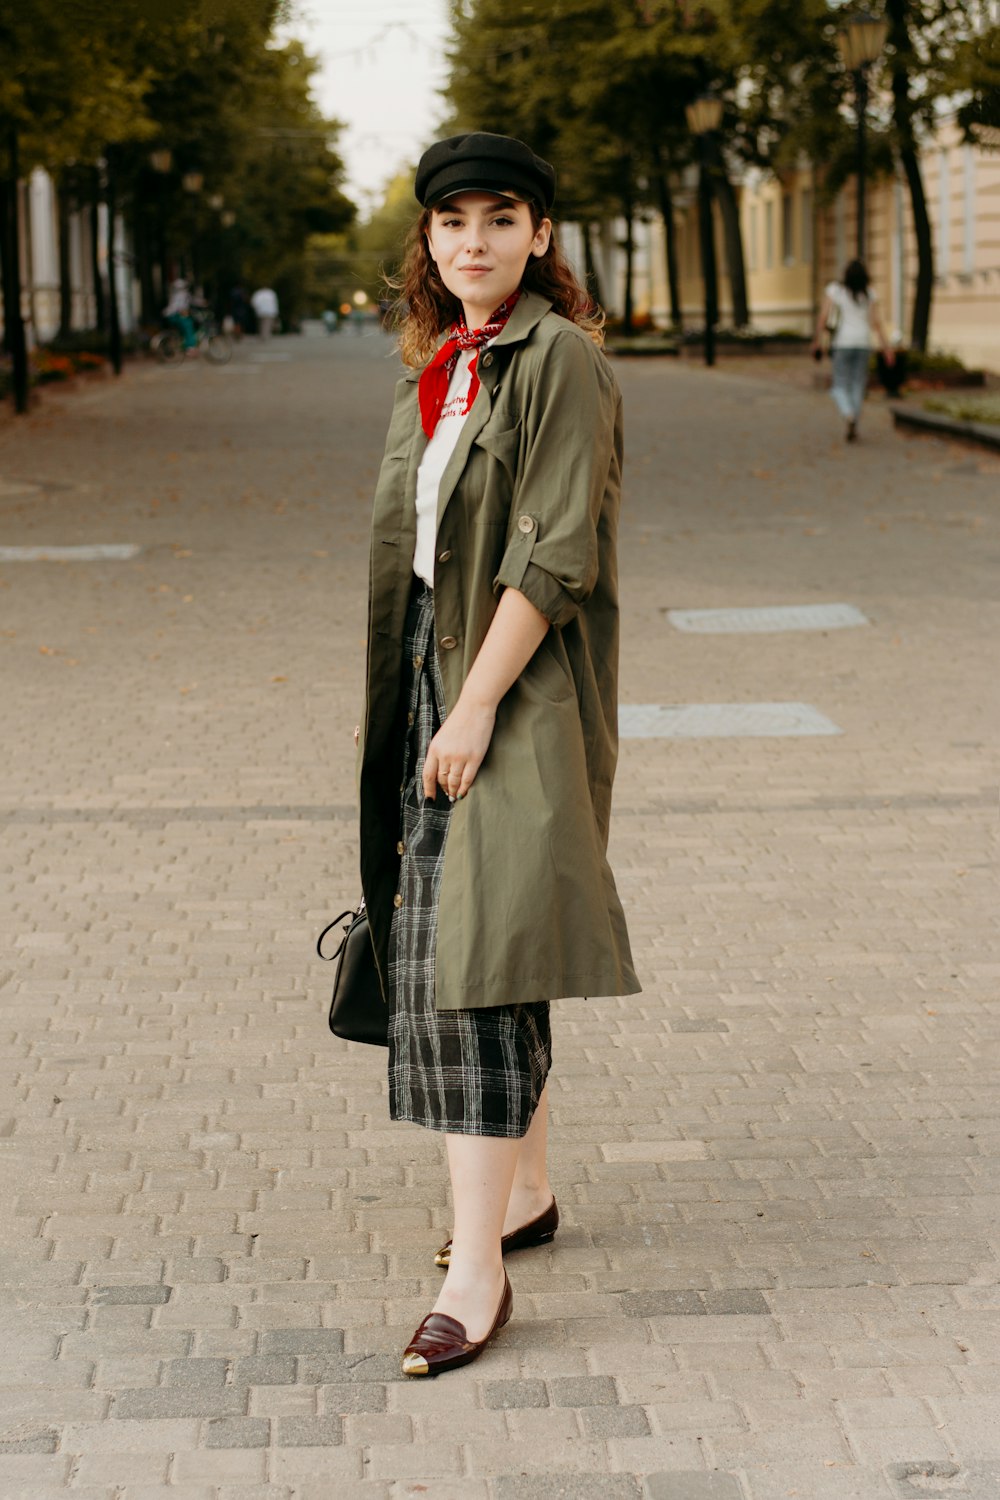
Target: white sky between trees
(381,64)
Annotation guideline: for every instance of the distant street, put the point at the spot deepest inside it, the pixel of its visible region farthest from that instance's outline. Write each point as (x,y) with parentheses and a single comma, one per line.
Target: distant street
(778,1272)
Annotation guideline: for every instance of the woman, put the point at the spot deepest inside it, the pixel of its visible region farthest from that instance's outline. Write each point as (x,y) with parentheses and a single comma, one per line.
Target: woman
(489,740)
(851,308)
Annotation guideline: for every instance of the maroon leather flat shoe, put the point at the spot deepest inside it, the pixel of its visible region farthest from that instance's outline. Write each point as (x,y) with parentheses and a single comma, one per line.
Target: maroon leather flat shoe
(441,1343)
(538,1232)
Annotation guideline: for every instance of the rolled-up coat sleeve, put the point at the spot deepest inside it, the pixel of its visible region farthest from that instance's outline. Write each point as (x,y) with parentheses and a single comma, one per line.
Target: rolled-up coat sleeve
(569,447)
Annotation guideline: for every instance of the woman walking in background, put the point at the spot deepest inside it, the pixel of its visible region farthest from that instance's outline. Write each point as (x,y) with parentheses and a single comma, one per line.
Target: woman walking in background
(851,308)
(489,741)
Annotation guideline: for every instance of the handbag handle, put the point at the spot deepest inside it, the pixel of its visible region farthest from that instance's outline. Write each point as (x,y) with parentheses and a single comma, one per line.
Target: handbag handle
(351,912)
(329,957)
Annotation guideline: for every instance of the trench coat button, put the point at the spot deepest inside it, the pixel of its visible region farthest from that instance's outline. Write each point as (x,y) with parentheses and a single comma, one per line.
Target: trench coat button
(487,360)
(448,642)
(444,556)
(418,662)
(525,525)
(411,717)
(397,900)
(401,847)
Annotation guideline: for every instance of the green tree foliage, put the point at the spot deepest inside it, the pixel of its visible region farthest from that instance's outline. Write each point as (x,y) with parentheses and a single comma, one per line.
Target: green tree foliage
(88,88)
(600,86)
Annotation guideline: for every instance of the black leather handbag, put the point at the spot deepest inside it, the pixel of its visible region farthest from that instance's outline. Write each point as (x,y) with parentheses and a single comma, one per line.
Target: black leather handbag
(358,1012)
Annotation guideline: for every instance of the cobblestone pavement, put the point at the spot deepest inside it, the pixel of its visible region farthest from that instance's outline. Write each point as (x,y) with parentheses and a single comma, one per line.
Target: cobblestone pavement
(777,1273)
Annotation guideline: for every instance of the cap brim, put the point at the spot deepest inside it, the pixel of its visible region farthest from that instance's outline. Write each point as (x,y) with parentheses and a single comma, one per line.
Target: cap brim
(516,195)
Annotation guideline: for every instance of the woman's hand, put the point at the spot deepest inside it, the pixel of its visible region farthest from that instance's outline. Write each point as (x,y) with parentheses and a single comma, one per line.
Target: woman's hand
(456,752)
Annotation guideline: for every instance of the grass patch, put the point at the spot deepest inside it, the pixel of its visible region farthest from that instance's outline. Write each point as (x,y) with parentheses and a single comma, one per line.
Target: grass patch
(967,408)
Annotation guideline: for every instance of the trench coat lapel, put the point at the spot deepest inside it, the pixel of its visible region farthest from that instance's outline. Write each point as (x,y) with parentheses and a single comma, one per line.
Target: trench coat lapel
(530,309)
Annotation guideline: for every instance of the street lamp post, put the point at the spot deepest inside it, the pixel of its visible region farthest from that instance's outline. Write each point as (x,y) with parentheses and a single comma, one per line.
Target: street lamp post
(704,116)
(860,43)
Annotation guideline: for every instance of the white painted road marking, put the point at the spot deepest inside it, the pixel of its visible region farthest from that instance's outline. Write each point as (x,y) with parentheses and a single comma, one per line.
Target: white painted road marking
(696,721)
(97,552)
(773,617)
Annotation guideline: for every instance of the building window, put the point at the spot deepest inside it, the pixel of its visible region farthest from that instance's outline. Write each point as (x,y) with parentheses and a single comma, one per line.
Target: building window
(753,237)
(769,235)
(787,230)
(969,217)
(944,214)
(806,233)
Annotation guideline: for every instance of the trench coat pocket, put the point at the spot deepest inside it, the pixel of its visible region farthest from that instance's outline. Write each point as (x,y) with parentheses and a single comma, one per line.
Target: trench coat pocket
(504,446)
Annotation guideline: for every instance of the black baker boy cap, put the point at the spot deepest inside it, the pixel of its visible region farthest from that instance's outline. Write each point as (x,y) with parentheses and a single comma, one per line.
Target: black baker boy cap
(482,162)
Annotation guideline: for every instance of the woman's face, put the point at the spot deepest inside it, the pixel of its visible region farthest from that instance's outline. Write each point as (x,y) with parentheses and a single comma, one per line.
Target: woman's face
(481,243)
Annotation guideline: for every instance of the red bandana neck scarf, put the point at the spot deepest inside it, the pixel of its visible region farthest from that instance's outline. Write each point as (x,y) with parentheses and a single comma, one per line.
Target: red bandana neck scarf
(436,378)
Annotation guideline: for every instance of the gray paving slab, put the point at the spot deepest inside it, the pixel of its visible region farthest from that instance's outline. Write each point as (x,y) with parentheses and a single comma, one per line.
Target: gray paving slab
(777,1265)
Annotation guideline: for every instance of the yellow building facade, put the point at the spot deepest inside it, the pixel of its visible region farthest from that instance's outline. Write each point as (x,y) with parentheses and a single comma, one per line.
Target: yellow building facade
(794,243)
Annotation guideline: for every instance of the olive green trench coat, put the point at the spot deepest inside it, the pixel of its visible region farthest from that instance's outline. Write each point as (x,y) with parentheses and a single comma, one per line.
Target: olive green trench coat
(528,907)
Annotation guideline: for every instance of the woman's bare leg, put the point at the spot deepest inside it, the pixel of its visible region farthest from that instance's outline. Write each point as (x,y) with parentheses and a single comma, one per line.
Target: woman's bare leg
(530,1193)
(482,1171)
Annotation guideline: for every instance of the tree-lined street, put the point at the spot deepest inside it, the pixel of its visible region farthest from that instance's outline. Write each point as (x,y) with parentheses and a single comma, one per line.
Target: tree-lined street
(777,1271)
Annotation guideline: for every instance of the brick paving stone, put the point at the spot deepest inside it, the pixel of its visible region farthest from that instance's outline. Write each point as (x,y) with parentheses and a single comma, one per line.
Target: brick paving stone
(444,1489)
(583,1390)
(507,1394)
(310,1432)
(535,1426)
(160,1401)
(121,1468)
(614,1421)
(264,1370)
(563,1487)
(236,1432)
(694,1486)
(816,1482)
(344,1399)
(205,1373)
(42,1441)
(107,1296)
(221,1465)
(776,1167)
(653,1303)
(403,1461)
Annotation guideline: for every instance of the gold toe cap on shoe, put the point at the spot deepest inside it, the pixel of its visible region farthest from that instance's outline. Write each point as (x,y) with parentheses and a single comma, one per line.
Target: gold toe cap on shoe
(415,1364)
(443,1257)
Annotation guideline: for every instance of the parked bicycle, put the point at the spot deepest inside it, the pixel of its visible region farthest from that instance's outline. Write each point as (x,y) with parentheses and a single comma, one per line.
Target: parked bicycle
(168,344)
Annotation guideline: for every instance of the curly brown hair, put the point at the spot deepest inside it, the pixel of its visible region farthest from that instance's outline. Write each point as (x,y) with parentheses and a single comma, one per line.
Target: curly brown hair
(425,308)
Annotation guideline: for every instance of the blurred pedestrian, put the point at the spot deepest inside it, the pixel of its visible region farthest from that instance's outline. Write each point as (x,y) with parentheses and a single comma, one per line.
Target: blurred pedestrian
(850,307)
(239,311)
(489,742)
(178,313)
(265,306)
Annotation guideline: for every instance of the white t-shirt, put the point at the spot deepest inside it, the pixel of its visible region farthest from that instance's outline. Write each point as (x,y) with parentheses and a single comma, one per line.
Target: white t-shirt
(853,329)
(435,460)
(265,302)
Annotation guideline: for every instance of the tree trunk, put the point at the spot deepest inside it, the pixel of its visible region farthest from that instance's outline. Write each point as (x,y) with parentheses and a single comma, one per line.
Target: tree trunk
(924,290)
(670,237)
(707,236)
(732,232)
(63,199)
(100,320)
(13,322)
(114,324)
(902,112)
(593,276)
(628,313)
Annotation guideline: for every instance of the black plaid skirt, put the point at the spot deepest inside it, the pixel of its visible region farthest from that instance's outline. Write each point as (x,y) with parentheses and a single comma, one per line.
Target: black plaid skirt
(470,1072)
